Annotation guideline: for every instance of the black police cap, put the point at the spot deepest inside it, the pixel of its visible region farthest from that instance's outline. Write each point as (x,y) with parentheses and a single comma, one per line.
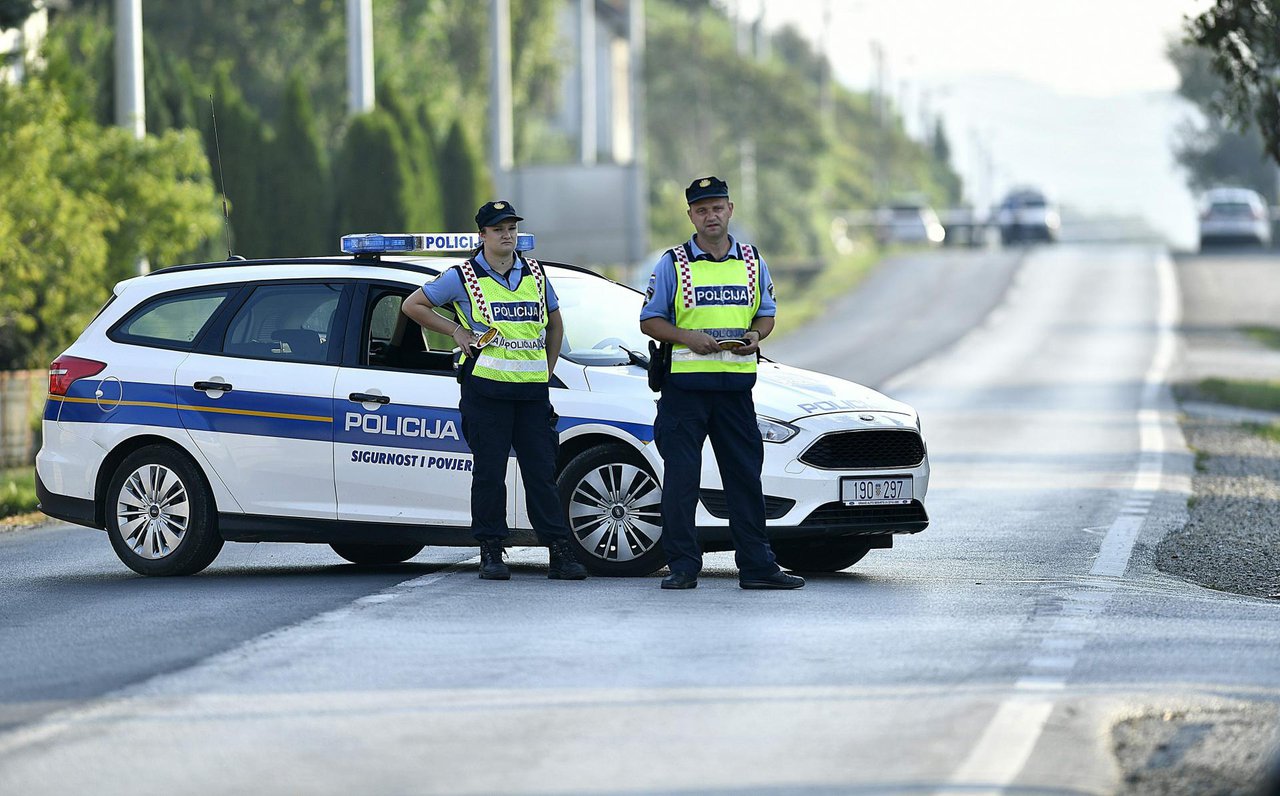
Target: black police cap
(492,213)
(706,188)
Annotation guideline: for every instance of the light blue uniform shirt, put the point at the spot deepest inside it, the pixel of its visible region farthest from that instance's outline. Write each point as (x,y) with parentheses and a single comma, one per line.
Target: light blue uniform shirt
(660,297)
(448,288)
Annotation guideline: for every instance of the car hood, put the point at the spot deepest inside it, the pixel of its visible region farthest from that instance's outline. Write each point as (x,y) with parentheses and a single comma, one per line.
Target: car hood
(786,393)
(781,392)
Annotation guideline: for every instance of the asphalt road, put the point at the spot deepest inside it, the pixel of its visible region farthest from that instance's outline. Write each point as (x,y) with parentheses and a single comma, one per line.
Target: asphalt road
(993,652)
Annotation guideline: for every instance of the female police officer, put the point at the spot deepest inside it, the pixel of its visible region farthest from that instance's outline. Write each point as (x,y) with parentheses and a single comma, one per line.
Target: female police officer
(505,396)
(705,295)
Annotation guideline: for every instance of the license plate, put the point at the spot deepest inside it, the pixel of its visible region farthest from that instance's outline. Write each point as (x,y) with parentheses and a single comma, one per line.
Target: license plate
(884,490)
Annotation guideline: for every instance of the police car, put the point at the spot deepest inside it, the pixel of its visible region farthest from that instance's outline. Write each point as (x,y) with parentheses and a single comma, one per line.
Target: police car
(289,400)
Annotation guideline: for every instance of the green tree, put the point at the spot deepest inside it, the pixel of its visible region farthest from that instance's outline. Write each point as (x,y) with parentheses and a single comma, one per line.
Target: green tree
(425,205)
(81,202)
(460,179)
(242,139)
(14,12)
(373,181)
(1242,38)
(298,180)
(1209,148)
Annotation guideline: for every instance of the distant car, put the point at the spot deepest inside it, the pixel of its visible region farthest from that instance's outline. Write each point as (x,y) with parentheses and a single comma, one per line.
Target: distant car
(1026,214)
(1234,215)
(909,223)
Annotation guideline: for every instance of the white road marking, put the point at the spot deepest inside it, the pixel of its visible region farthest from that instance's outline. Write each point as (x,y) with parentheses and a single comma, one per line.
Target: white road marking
(1010,737)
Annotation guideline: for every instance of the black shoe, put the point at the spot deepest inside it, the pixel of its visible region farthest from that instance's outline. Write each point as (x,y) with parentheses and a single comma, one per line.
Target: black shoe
(563,564)
(680,580)
(778,580)
(491,566)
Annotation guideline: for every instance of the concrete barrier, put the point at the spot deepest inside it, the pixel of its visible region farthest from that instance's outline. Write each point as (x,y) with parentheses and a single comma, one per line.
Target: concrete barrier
(22,393)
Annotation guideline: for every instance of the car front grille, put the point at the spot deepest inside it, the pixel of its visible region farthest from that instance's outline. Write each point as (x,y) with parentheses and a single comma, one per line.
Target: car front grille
(717,504)
(908,518)
(861,450)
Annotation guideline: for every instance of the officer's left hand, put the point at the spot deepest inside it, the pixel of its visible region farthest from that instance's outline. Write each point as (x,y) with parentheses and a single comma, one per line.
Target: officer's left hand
(750,348)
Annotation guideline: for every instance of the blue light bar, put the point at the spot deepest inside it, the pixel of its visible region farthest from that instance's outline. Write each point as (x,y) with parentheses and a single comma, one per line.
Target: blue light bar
(377,243)
(400,243)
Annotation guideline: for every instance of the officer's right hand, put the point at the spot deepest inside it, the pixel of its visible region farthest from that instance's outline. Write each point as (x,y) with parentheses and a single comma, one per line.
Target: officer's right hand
(701,343)
(466,339)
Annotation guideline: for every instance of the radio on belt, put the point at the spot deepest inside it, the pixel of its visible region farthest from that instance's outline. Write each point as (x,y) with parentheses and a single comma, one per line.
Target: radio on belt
(406,242)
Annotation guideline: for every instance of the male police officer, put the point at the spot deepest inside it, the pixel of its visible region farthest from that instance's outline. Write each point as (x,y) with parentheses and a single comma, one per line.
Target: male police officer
(711,299)
(505,400)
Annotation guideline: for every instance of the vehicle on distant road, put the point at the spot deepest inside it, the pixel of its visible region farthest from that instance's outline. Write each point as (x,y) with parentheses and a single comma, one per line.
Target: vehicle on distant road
(291,400)
(1026,214)
(908,222)
(1234,215)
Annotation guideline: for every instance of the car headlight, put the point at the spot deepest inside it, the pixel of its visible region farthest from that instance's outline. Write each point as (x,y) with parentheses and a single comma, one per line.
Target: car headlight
(775,430)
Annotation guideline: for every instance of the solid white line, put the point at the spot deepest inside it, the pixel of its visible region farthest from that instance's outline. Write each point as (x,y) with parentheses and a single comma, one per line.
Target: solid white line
(1005,746)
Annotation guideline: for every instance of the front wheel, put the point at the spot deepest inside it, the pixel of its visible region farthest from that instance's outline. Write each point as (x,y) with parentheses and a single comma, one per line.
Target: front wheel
(614,506)
(819,555)
(160,513)
(377,553)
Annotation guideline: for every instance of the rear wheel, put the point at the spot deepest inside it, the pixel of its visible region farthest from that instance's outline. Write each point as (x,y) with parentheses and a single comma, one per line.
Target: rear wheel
(377,553)
(614,506)
(819,555)
(160,513)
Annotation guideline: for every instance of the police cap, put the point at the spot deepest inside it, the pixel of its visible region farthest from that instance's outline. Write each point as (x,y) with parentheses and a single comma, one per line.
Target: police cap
(706,188)
(492,213)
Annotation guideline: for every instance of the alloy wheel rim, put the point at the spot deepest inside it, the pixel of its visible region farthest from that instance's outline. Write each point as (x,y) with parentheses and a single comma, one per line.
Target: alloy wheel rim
(615,512)
(153,511)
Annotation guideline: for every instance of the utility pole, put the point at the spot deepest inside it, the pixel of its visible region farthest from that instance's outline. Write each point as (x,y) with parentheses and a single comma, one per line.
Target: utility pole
(587,135)
(131,108)
(360,98)
(501,126)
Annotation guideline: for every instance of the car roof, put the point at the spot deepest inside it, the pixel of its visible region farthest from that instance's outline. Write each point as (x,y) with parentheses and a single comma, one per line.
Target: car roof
(1231,194)
(409,269)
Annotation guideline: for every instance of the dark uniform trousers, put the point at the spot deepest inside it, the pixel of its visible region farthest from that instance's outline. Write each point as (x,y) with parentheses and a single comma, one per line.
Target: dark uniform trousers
(685,419)
(492,427)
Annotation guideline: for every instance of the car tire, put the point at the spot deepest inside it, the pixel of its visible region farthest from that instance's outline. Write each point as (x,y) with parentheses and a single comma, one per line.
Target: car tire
(613,503)
(377,553)
(160,514)
(819,555)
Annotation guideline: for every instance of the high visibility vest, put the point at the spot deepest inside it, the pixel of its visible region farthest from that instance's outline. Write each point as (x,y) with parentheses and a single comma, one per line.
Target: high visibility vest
(519,354)
(719,298)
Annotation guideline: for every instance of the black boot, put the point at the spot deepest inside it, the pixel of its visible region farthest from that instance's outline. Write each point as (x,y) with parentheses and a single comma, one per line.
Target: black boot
(563,565)
(491,566)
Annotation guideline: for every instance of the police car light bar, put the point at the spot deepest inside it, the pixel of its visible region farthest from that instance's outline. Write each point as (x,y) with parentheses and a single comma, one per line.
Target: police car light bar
(400,243)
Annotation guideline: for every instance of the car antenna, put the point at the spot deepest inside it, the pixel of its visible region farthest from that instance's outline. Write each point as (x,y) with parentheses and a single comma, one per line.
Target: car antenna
(226,216)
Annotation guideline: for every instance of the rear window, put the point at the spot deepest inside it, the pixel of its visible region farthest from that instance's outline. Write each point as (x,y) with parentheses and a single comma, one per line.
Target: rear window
(1231,209)
(172,321)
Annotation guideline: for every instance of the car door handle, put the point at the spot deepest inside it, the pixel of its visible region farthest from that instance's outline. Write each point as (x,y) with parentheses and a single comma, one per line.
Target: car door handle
(212,385)
(364,397)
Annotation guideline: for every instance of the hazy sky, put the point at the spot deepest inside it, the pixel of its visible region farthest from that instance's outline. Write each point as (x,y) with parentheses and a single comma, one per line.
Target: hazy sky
(1075,96)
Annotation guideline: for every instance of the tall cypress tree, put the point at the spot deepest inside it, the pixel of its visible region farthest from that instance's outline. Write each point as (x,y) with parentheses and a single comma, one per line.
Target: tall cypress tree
(298,180)
(373,180)
(460,180)
(242,138)
(425,212)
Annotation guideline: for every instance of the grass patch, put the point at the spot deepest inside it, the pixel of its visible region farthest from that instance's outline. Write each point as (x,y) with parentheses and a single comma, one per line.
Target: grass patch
(1268,431)
(17,491)
(798,305)
(1202,461)
(1237,392)
(1269,336)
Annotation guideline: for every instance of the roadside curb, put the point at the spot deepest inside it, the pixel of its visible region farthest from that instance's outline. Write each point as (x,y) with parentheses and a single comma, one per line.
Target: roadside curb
(1237,414)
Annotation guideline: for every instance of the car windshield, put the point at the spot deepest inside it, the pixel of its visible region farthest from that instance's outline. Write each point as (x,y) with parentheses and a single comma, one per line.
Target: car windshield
(601,320)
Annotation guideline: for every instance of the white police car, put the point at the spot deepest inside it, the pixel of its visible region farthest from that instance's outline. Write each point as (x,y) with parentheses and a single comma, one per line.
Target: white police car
(290,400)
